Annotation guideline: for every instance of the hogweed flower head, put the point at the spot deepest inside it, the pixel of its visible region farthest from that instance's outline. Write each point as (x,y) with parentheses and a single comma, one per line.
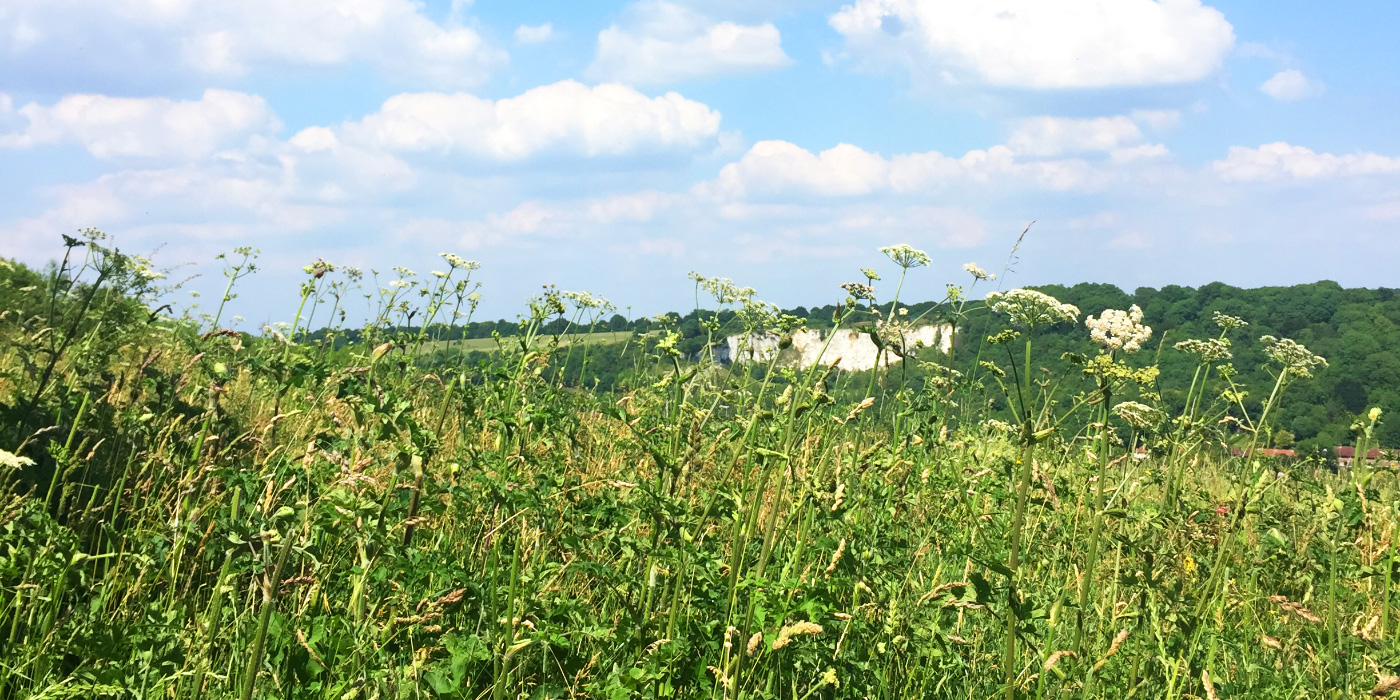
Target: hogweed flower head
(10,460)
(976,271)
(586,301)
(859,291)
(1029,308)
(458,262)
(1296,359)
(870,274)
(723,289)
(1229,323)
(1139,416)
(906,256)
(756,314)
(1119,330)
(1206,351)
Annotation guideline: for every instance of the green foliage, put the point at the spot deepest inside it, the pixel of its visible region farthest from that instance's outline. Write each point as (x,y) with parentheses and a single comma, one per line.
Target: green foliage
(355,513)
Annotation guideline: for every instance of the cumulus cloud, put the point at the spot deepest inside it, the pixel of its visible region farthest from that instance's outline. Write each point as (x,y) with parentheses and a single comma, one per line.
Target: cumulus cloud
(563,118)
(1290,86)
(660,42)
(1039,44)
(778,169)
(120,127)
(526,34)
(1052,136)
(541,218)
(86,40)
(1283,161)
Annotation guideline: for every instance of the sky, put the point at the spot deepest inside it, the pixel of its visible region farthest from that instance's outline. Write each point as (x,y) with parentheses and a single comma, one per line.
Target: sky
(615,146)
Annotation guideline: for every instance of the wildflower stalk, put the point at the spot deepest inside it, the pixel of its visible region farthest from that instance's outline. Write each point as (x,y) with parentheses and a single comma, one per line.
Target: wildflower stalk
(272,590)
(1010,659)
(1086,585)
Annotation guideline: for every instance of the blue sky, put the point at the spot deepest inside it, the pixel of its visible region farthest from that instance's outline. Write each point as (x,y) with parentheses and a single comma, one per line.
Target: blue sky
(615,146)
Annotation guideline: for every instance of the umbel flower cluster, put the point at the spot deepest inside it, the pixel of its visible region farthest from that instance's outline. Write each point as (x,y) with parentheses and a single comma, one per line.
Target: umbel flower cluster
(1122,330)
(906,256)
(1296,359)
(1138,416)
(1206,351)
(976,271)
(1029,308)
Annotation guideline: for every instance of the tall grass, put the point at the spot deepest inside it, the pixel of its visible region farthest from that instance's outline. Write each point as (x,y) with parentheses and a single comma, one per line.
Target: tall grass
(194,512)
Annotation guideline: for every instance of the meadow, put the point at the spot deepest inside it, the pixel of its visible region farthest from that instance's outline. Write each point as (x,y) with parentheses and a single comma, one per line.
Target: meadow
(189,511)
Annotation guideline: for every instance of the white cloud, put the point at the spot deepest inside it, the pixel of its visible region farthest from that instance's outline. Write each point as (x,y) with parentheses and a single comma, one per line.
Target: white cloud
(662,247)
(1156,119)
(537,218)
(120,127)
(1040,44)
(1052,136)
(1142,152)
(1283,161)
(563,118)
(526,34)
(125,40)
(1290,86)
(777,169)
(661,42)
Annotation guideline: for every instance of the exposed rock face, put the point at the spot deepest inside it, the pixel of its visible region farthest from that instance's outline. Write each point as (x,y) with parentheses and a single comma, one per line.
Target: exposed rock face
(855,349)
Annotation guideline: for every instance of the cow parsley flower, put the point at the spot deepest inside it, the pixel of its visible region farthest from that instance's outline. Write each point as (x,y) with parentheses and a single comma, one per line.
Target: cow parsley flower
(458,262)
(1139,416)
(10,460)
(976,271)
(1229,323)
(1029,308)
(1119,330)
(1296,359)
(906,256)
(858,290)
(1206,351)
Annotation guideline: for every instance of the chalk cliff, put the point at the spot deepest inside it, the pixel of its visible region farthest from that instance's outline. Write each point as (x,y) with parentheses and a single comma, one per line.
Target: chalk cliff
(855,349)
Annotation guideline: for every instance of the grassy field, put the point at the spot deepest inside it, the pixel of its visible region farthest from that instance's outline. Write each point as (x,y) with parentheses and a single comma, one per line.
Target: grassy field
(490,345)
(195,513)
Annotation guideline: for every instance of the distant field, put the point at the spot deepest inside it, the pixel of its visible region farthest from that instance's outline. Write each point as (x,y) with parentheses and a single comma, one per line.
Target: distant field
(489,344)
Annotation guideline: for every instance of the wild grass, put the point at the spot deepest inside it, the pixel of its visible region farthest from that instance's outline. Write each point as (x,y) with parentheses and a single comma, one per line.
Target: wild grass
(194,512)
(489,345)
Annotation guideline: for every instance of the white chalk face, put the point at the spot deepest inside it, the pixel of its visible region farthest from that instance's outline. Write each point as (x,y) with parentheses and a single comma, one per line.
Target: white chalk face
(855,350)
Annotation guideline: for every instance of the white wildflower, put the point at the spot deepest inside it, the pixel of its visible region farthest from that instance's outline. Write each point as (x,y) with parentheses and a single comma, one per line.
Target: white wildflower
(1206,351)
(723,289)
(1139,416)
(1029,308)
(906,256)
(993,425)
(859,290)
(1119,330)
(1229,323)
(10,460)
(976,271)
(1295,358)
(458,262)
